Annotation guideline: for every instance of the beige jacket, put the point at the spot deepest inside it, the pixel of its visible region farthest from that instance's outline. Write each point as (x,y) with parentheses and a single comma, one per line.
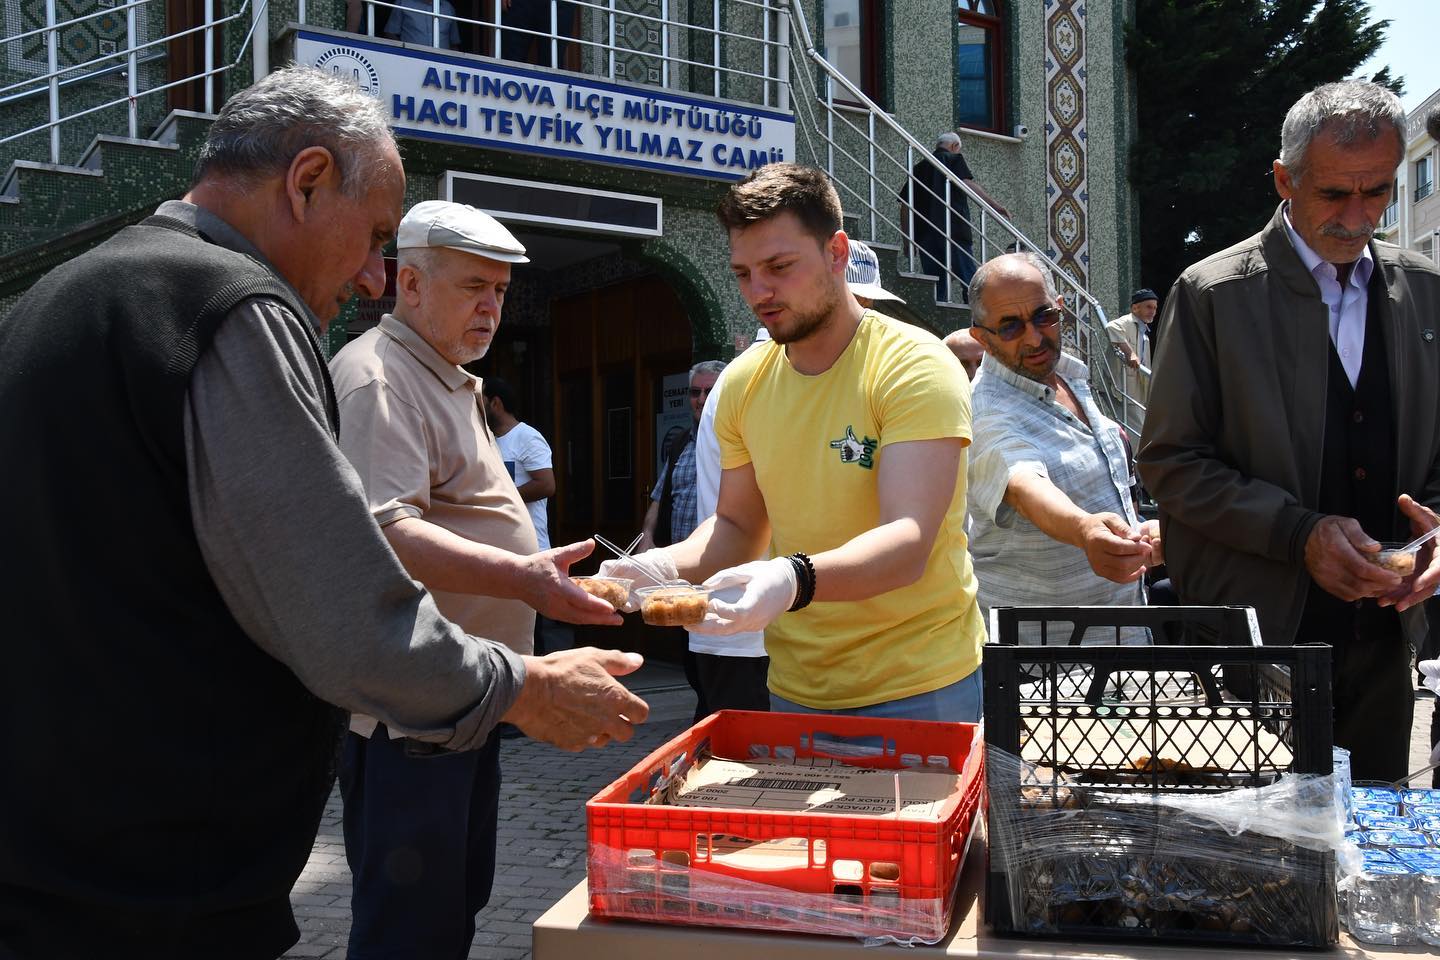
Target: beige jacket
(1235,430)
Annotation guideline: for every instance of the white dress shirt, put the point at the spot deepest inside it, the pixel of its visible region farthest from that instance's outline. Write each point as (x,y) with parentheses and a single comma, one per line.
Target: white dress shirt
(1347,306)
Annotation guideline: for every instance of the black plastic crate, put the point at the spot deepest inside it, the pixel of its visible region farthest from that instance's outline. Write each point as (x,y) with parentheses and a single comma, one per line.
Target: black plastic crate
(1094,727)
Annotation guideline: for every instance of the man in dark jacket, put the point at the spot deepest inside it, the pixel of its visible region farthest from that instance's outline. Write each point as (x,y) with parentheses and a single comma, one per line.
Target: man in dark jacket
(1292,421)
(205,592)
(942,218)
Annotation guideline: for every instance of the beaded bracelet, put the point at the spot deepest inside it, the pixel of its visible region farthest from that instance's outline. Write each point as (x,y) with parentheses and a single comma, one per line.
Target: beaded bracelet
(805,581)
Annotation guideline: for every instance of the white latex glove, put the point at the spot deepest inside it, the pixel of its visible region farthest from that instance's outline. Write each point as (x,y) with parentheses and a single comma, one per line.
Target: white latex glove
(761,591)
(1431,670)
(656,562)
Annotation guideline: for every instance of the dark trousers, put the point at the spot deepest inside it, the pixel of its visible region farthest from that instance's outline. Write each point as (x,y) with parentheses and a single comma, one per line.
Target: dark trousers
(1373,697)
(420,839)
(731,683)
(932,260)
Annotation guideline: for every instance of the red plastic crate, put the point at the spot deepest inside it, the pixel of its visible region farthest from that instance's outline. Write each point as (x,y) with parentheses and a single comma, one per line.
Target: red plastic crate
(865,876)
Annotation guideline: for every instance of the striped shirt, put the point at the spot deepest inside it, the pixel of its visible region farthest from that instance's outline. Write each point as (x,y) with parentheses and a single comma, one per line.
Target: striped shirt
(1021,427)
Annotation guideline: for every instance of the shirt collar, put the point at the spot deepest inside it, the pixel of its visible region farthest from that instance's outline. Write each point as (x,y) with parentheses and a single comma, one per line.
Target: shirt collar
(446,372)
(1360,276)
(1070,368)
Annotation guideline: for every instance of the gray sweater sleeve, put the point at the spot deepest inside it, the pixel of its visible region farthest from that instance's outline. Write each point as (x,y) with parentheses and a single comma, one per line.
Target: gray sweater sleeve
(283,525)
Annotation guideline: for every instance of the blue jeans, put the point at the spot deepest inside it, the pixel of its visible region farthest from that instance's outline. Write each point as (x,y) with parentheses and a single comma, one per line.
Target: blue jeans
(960,702)
(420,839)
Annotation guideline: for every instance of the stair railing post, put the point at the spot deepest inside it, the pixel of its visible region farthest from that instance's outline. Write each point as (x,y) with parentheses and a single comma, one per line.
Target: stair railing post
(300,13)
(259,39)
(435,24)
(554,35)
(949,274)
(132,78)
(715,45)
(870,115)
(907,224)
(783,64)
(209,61)
(52,59)
(495,34)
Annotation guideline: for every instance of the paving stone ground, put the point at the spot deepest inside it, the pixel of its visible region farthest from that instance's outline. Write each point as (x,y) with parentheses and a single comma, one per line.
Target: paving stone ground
(541,842)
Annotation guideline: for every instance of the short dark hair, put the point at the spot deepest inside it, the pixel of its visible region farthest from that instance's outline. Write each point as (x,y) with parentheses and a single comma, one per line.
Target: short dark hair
(780,187)
(495,387)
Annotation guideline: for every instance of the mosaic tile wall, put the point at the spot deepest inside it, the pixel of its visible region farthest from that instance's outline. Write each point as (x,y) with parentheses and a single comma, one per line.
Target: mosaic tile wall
(1065,138)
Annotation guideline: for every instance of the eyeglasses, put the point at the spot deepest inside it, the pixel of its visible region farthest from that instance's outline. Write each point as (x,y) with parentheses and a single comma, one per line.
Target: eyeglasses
(700,391)
(1011,328)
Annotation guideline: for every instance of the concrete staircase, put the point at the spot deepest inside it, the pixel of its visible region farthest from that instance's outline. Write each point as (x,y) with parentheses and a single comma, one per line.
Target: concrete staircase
(52,212)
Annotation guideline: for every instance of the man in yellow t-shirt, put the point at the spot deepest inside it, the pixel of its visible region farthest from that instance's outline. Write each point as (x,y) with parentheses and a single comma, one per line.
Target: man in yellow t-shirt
(843,448)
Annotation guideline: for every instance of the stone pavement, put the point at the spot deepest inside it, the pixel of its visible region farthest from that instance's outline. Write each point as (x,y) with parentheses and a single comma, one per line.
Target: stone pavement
(540,852)
(541,844)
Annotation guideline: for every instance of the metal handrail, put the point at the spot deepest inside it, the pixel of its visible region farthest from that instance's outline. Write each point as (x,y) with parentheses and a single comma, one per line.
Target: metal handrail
(1090,337)
(6,98)
(133,95)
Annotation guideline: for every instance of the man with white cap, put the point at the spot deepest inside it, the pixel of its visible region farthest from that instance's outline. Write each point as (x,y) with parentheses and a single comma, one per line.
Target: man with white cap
(420,829)
(862,276)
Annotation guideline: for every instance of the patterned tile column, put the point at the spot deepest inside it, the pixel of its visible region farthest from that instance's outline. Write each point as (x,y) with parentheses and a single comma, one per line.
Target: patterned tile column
(1067,200)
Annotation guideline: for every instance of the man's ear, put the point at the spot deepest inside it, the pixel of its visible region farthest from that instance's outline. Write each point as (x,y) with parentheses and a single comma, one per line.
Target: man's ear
(312,169)
(407,285)
(839,249)
(1284,180)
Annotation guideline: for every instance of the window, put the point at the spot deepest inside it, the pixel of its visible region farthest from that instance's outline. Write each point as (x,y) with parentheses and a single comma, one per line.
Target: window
(1392,212)
(978,63)
(1424,178)
(852,39)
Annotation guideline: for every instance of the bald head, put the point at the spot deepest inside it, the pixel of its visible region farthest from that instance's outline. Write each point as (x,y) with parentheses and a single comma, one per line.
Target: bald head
(967,350)
(1023,266)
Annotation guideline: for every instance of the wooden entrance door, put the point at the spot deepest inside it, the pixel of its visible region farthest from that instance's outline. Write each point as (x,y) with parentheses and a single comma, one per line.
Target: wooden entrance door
(612,348)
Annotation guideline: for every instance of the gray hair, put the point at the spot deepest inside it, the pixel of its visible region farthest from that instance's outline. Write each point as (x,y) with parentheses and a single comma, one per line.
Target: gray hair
(706,366)
(947,139)
(262,128)
(420,258)
(998,265)
(1352,111)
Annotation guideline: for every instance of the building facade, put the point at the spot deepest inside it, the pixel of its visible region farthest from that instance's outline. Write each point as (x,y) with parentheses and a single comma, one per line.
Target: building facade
(1413,218)
(603,133)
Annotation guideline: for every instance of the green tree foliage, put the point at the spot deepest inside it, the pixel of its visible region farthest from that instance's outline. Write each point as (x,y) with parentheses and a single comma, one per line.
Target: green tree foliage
(1214,80)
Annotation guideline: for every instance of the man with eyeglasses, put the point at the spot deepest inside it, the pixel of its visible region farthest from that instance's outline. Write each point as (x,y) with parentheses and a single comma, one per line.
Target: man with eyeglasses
(1052,519)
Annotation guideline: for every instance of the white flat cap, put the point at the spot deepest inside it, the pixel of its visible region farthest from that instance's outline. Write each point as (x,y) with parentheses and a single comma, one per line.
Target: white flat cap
(458,226)
(862,274)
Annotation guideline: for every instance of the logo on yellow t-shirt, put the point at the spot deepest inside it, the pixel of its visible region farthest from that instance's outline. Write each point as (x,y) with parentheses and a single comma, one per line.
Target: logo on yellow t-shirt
(854,450)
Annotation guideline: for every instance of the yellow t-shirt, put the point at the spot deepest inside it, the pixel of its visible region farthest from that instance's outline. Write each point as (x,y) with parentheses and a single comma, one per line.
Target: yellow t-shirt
(816,444)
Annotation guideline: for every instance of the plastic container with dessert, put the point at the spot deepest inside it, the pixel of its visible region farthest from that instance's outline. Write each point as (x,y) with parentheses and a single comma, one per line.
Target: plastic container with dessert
(673,605)
(613,590)
(1406,563)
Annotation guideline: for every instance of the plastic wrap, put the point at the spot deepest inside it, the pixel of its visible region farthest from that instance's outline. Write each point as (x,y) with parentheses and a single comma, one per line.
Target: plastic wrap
(1251,863)
(639,884)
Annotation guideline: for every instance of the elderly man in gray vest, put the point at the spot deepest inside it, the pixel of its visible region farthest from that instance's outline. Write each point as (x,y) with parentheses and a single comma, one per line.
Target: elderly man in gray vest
(213,608)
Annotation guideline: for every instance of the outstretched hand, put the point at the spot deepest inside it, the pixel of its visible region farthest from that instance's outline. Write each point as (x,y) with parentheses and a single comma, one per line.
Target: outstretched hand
(551,592)
(571,698)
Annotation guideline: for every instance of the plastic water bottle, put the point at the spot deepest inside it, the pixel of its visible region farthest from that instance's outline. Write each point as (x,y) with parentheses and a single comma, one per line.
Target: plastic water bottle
(1382,901)
(1340,769)
(1426,864)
